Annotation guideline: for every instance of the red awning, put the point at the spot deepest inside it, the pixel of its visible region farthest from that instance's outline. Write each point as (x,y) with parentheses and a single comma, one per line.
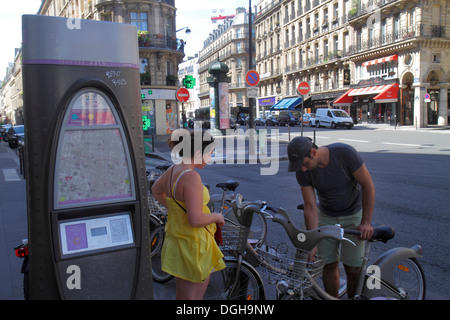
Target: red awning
(372,62)
(368,90)
(344,100)
(389,94)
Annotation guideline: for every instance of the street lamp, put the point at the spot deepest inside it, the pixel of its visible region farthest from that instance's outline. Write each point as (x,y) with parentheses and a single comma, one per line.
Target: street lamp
(188,31)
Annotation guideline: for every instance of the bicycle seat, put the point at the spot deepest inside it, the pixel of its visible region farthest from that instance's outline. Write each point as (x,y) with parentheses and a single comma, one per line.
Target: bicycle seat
(228,185)
(382,233)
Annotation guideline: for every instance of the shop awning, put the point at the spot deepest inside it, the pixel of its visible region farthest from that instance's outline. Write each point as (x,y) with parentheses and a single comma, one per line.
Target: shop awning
(381,60)
(286,104)
(344,100)
(368,90)
(390,94)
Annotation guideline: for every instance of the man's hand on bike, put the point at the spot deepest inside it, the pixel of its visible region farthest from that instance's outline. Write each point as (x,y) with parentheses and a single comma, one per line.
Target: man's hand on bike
(312,255)
(366,231)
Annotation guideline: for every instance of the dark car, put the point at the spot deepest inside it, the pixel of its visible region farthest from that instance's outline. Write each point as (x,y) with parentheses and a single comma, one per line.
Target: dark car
(16,135)
(271,120)
(291,118)
(4,131)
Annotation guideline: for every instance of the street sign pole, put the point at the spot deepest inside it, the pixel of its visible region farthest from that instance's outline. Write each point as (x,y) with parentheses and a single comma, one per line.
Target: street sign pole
(182,96)
(302,90)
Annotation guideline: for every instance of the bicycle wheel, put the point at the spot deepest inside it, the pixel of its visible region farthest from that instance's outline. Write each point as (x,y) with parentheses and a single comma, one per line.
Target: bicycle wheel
(409,279)
(157,235)
(249,285)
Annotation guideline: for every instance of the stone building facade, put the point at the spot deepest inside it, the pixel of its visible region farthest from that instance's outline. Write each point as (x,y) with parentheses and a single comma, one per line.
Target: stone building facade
(160,51)
(384,61)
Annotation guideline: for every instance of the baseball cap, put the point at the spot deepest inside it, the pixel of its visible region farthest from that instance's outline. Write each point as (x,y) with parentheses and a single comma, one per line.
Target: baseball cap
(297,149)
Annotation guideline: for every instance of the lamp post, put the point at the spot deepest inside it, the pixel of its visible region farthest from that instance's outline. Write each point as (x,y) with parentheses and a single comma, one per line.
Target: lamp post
(188,31)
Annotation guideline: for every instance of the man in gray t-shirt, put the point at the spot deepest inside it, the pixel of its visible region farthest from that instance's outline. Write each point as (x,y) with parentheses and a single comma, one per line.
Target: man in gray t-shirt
(346,195)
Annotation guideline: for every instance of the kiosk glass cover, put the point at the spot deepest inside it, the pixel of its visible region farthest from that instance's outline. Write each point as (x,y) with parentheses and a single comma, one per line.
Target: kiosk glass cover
(93,164)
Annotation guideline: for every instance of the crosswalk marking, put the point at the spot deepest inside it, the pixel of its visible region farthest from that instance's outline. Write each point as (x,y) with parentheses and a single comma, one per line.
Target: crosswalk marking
(11,175)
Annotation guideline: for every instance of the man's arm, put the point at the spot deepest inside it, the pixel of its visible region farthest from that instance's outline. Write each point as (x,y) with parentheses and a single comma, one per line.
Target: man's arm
(363,177)
(310,210)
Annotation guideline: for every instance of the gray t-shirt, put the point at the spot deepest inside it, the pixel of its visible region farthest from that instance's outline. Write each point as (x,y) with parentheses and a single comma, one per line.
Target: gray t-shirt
(338,192)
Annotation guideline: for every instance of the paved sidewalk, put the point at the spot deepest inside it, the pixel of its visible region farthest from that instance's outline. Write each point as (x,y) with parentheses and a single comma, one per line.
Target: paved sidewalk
(13,223)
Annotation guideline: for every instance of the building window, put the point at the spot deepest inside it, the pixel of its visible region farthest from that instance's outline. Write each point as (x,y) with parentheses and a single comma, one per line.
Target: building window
(106,17)
(139,19)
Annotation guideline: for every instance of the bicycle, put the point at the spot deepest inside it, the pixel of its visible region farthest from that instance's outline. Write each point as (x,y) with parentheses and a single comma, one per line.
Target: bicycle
(157,221)
(296,277)
(392,266)
(223,203)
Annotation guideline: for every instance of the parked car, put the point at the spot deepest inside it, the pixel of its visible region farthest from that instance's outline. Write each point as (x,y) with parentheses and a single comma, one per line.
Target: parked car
(4,131)
(271,120)
(288,117)
(16,135)
(309,119)
(259,122)
(333,118)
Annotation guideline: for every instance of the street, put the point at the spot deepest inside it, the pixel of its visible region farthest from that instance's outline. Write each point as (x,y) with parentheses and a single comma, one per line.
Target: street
(411,173)
(410,170)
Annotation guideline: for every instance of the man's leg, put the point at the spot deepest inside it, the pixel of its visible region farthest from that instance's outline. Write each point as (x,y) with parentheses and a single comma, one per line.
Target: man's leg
(352,280)
(331,278)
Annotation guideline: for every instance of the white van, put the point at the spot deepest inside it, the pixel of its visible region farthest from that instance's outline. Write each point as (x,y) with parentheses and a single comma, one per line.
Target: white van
(333,118)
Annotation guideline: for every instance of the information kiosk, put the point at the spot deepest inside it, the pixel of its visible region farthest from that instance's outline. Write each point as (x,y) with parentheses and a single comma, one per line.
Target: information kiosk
(86,183)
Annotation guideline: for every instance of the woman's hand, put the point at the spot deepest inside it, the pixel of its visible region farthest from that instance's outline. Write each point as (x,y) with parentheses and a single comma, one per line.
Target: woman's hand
(219,219)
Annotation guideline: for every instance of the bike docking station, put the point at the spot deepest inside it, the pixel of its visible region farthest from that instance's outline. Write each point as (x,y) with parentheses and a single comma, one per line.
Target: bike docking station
(86,185)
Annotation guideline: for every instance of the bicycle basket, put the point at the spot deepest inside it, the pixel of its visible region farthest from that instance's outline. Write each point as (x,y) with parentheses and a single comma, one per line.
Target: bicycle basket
(291,265)
(232,235)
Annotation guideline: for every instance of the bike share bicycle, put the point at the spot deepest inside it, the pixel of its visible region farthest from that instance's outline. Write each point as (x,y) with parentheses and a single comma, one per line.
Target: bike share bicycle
(296,277)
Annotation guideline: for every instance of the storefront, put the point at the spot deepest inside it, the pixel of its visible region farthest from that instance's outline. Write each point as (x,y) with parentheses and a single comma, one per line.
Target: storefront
(264,105)
(370,103)
(162,106)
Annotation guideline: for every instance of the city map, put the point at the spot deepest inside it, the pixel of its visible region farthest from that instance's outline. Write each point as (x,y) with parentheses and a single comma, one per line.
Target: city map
(92,166)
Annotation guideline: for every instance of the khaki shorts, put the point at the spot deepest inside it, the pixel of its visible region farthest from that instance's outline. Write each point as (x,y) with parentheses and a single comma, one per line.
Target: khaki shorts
(346,252)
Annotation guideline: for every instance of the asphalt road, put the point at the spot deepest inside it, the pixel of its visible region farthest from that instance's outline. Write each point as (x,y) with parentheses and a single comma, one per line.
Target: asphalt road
(411,173)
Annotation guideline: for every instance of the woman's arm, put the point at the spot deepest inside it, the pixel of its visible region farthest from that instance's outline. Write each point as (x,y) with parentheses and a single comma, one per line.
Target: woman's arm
(158,189)
(192,194)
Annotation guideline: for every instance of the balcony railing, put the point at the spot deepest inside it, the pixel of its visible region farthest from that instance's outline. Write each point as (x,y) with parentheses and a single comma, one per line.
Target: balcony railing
(153,41)
(419,30)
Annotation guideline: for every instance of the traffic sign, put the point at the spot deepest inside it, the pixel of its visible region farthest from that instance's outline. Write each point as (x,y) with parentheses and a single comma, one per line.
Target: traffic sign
(182,95)
(252,78)
(303,88)
(252,92)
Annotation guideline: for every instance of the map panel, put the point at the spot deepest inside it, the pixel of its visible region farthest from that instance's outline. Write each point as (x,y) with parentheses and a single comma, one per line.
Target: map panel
(92,166)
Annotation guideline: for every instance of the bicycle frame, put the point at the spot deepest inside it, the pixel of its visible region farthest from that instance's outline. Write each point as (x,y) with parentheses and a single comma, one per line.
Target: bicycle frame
(308,239)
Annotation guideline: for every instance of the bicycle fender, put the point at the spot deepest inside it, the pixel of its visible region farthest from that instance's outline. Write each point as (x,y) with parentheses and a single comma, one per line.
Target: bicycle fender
(387,262)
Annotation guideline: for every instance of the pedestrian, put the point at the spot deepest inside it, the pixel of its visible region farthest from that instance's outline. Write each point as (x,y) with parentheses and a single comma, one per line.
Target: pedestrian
(189,252)
(346,196)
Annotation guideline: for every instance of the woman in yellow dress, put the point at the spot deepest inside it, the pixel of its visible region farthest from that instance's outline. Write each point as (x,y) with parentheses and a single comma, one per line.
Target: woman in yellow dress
(190,252)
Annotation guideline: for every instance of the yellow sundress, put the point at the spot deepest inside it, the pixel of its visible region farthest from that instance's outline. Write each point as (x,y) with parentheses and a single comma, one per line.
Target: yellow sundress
(189,253)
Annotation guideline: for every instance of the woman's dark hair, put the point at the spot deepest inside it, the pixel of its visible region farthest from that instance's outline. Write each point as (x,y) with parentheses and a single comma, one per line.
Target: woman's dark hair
(179,135)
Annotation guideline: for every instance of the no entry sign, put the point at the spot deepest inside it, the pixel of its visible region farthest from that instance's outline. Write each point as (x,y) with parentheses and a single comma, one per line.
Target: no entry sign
(252,78)
(303,88)
(182,95)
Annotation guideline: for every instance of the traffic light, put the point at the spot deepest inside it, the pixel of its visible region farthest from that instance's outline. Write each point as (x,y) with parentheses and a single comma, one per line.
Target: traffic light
(189,81)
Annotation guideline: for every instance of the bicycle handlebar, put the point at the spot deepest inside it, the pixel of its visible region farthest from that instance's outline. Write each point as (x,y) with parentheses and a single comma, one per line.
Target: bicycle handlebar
(302,239)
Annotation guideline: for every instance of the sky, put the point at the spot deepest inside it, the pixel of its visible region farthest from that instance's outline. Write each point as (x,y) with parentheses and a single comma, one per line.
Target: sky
(194,14)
